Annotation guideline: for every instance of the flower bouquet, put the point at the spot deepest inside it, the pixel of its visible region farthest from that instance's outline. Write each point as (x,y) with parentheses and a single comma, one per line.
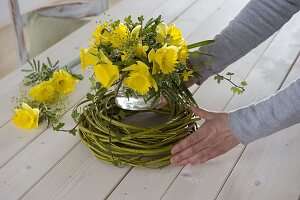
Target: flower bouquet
(44,95)
(135,64)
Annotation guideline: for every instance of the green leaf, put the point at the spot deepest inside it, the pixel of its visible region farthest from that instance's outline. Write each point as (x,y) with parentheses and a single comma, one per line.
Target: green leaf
(229,74)
(236,90)
(59,126)
(199,44)
(219,78)
(73,131)
(244,83)
(141,18)
(92,80)
(90,96)
(75,114)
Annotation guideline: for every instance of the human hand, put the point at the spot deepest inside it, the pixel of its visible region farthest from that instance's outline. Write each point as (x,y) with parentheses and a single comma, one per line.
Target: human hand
(212,139)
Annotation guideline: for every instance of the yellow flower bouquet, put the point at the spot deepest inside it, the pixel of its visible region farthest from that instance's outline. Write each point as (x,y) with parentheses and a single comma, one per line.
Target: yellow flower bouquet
(45,99)
(135,64)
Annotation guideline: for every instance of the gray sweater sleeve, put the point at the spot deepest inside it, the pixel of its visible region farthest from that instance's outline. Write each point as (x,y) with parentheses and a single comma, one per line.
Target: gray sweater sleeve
(254,24)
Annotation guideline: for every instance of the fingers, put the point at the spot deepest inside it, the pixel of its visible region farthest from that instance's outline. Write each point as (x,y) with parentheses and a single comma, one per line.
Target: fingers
(189,141)
(190,151)
(202,113)
(202,156)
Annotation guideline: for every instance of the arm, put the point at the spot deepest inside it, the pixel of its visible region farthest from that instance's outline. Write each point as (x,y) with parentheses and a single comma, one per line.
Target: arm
(221,131)
(268,116)
(254,24)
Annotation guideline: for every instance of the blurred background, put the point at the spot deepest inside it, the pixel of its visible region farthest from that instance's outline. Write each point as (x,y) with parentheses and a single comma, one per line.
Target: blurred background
(30,11)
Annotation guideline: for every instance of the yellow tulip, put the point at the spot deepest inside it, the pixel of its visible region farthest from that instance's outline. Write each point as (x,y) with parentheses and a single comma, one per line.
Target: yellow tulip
(63,82)
(106,74)
(43,92)
(27,117)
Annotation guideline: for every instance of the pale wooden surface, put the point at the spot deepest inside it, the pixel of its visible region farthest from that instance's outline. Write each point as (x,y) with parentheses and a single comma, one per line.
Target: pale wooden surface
(41,164)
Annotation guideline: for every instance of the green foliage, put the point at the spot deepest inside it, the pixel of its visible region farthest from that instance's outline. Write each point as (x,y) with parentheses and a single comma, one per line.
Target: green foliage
(199,44)
(40,72)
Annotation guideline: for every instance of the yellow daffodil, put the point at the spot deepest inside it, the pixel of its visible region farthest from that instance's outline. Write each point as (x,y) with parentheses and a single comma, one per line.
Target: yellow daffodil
(43,92)
(140,50)
(106,74)
(183,54)
(175,36)
(101,34)
(27,117)
(63,82)
(164,59)
(139,79)
(186,75)
(88,57)
(119,36)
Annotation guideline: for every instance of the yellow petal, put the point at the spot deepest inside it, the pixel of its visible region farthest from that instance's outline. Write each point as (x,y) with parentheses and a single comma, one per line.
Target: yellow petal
(135,31)
(63,82)
(106,74)
(138,83)
(103,57)
(161,31)
(88,58)
(26,117)
(43,92)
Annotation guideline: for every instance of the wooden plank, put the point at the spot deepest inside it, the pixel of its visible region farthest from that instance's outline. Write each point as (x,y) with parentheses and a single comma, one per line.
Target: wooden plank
(201,181)
(11,188)
(74,178)
(269,168)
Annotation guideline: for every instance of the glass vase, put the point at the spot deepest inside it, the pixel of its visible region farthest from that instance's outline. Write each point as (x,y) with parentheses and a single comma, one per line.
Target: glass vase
(134,101)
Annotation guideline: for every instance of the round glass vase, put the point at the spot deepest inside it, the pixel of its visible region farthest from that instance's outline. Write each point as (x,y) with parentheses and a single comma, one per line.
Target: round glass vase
(134,101)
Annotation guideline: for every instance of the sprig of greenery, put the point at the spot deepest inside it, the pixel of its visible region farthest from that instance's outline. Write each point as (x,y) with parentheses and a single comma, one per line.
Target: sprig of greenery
(237,89)
(40,72)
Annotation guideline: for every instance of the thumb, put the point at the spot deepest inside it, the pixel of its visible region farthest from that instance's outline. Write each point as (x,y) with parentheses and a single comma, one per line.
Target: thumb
(201,112)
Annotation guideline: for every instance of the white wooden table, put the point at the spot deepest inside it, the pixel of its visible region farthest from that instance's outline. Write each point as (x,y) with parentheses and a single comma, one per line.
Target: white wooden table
(42,164)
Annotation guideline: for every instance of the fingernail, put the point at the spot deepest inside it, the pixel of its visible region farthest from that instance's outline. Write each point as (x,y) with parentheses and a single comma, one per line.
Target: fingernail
(173,151)
(173,160)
